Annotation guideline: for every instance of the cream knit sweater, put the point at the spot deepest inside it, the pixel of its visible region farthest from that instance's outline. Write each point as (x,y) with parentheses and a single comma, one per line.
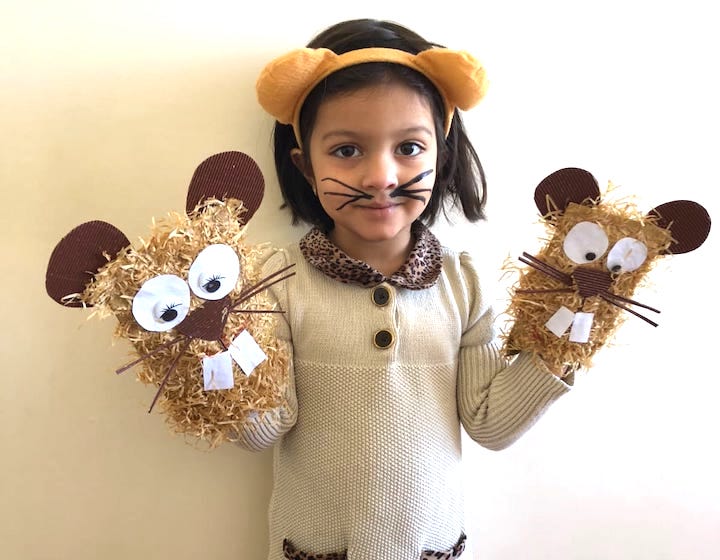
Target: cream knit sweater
(367,450)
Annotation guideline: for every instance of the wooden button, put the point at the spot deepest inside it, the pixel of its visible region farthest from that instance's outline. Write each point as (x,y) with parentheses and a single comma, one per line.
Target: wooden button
(381,296)
(383,339)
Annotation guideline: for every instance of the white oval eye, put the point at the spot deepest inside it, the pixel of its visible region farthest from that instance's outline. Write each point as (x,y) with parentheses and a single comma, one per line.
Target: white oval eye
(161,303)
(214,272)
(626,255)
(585,242)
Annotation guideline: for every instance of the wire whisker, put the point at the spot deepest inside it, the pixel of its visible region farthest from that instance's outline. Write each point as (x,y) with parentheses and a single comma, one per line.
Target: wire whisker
(126,367)
(545,268)
(631,301)
(260,286)
(169,372)
(629,310)
(548,291)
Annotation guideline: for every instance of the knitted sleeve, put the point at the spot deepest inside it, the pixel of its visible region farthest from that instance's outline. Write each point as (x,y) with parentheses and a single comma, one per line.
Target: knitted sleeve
(263,429)
(498,400)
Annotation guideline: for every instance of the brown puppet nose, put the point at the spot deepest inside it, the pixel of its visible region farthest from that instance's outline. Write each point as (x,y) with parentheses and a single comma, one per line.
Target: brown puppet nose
(206,322)
(591,282)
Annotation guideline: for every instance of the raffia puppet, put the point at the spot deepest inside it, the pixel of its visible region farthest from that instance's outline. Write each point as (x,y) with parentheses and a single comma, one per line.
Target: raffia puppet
(190,300)
(572,296)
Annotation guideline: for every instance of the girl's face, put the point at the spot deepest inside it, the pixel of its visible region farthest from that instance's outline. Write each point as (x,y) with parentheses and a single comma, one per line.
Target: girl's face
(373,155)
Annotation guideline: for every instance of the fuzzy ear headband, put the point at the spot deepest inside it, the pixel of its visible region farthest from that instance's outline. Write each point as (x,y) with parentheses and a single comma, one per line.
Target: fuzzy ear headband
(285,82)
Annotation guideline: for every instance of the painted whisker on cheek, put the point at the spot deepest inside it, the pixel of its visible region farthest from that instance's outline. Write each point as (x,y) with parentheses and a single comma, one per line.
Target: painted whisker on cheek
(360,195)
(402,190)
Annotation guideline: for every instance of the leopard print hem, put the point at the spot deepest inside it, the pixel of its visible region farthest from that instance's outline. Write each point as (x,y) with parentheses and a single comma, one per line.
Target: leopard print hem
(291,553)
(451,554)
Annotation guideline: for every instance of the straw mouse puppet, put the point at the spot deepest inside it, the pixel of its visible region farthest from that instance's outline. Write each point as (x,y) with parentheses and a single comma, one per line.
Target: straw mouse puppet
(577,290)
(190,299)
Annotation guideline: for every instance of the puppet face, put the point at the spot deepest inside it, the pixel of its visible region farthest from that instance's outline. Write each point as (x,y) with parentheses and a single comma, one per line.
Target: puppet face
(190,299)
(578,288)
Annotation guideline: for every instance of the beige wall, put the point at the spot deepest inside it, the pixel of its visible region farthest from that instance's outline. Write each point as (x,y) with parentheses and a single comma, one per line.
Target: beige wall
(105,110)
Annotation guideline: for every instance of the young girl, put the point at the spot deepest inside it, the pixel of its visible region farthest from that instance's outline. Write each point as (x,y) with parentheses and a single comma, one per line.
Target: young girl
(391,338)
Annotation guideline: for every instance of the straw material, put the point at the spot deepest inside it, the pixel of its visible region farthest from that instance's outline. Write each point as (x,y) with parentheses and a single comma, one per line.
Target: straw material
(209,417)
(530,311)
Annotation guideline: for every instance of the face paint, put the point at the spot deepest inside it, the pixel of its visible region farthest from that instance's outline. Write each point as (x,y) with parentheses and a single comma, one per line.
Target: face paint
(400,190)
(352,197)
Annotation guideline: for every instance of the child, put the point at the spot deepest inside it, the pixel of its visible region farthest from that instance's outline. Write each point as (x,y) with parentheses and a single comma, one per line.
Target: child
(391,338)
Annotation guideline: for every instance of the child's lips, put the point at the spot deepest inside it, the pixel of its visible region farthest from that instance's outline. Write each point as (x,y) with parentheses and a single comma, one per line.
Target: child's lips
(379,206)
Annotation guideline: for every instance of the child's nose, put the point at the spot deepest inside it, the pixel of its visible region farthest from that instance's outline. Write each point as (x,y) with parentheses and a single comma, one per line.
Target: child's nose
(380,172)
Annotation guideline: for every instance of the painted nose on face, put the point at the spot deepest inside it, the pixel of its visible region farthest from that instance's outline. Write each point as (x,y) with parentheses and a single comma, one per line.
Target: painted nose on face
(380,173)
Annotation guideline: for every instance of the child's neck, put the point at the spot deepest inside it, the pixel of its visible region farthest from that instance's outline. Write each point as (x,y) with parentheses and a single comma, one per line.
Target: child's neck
(385,256)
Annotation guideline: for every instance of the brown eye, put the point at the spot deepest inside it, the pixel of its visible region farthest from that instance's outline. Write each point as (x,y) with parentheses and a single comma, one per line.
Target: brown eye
(409,149)
(347,151)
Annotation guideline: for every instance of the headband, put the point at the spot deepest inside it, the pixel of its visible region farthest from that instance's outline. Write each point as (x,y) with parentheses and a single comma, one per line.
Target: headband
(285,82)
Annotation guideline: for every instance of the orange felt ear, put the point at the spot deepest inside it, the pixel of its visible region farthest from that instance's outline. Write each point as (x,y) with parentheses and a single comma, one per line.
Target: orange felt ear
(78,256)
(560,188)
(458,75)
(284,83)
(688,222)
(227,175)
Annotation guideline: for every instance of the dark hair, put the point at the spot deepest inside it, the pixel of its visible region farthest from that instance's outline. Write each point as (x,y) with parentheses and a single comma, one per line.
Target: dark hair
(460,178)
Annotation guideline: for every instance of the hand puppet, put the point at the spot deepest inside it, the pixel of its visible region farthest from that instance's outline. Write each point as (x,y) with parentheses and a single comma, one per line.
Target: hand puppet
(190,299)
(575,292)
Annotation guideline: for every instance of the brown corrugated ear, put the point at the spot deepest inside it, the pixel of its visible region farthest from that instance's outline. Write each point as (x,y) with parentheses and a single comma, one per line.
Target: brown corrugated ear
(564,186)
(688,222)
(78,256)
(227,175)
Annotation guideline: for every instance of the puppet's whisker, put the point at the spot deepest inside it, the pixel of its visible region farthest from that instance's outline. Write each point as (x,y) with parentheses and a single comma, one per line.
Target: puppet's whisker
(545,268)
(167,375)
(257,311)
(149,354)
(247,296)
(631,301)
(262,285)
(548,291)
(249,289)
(631,311)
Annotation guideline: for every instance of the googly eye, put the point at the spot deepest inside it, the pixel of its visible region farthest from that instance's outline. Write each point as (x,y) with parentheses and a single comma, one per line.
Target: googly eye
(161,303)
(626,255)
(586,242)
(214,272)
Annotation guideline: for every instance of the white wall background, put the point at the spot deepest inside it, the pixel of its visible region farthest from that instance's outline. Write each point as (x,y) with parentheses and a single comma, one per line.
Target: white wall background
(107,107)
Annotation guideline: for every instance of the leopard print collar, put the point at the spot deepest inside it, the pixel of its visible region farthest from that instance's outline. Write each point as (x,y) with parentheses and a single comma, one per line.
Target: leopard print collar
(420,271)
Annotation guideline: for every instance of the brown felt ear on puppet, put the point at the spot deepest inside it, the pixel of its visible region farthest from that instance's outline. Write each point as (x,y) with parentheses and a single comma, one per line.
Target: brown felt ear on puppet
(227,175)
(556,191)
(688,222)
(78,256)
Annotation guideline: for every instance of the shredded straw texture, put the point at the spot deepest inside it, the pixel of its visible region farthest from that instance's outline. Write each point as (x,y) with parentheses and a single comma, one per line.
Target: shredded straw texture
(530,310)
(209,417)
